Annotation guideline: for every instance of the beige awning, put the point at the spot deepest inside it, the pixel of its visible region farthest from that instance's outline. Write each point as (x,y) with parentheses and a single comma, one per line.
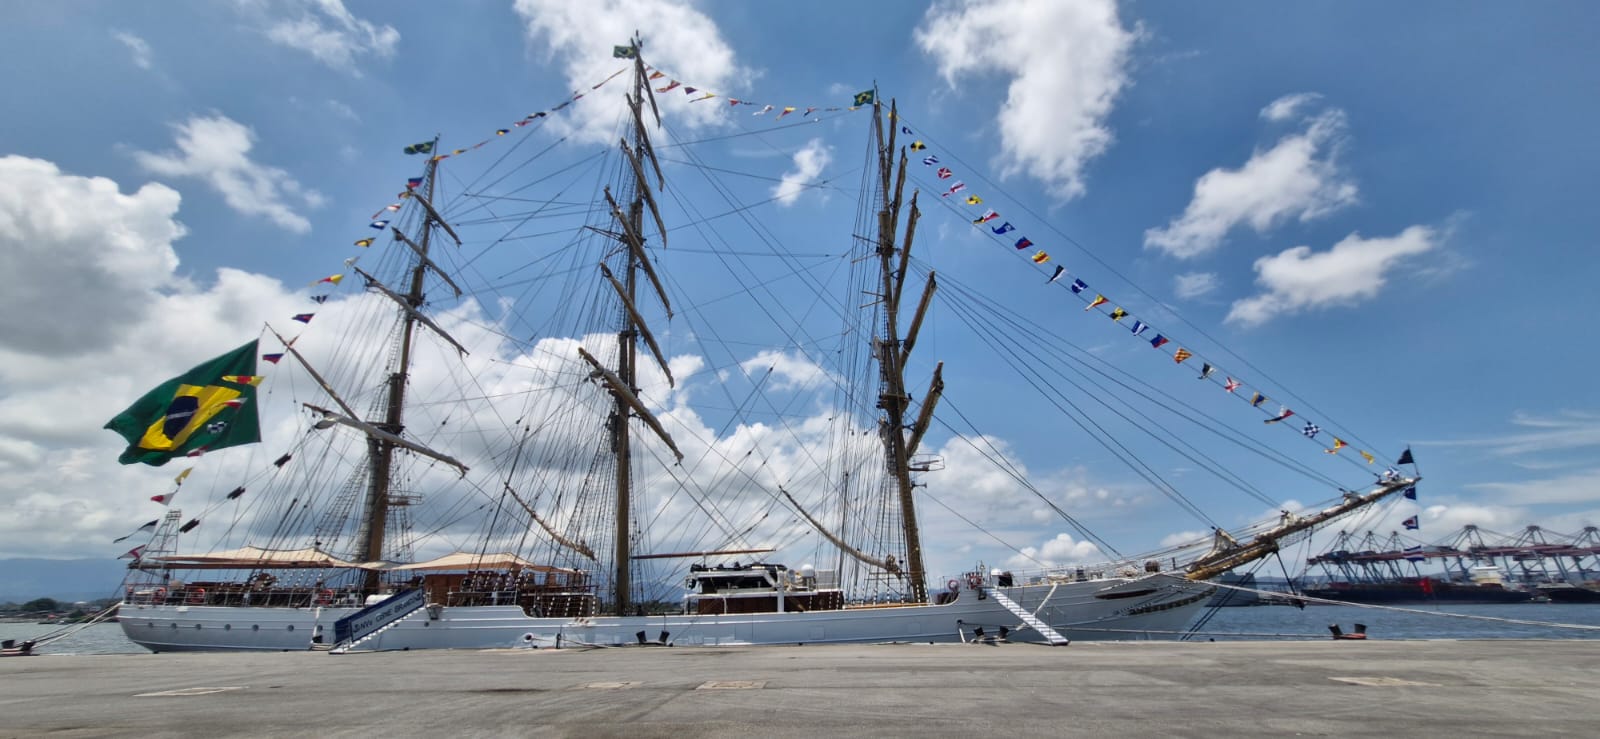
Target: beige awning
(258,558)
(462,561)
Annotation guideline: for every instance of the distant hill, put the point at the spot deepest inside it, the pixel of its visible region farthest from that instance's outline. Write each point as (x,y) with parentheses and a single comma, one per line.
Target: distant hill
(22,580)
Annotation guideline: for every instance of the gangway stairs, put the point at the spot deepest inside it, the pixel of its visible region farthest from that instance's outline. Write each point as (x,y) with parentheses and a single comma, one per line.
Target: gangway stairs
(1054,637)
(346,647)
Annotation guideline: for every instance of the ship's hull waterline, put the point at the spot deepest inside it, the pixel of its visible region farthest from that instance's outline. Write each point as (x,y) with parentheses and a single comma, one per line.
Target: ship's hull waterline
(1156,606)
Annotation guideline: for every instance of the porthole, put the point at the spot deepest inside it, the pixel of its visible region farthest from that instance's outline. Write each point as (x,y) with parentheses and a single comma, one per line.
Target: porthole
(151,624)
(291,627)
(174,625)
(227,627)
(255,627)
(197,627)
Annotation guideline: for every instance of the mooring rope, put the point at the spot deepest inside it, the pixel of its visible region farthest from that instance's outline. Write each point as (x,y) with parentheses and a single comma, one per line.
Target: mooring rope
(1418,611)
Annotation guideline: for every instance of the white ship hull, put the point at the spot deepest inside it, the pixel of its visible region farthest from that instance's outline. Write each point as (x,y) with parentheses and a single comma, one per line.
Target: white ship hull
(1155,606)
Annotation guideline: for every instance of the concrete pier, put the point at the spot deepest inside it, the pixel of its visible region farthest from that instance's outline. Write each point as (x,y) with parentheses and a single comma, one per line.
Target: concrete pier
(1372,688)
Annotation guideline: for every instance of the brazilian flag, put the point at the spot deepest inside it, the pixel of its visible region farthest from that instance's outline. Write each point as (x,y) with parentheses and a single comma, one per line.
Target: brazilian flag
(210,407)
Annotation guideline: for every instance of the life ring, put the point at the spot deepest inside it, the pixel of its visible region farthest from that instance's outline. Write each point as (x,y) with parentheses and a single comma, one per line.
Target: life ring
(953,585)
(196,596)
(974,580)
(323,597)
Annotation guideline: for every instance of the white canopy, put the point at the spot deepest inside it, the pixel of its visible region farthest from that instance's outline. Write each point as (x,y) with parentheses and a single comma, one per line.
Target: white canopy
(461,561)
(256,557)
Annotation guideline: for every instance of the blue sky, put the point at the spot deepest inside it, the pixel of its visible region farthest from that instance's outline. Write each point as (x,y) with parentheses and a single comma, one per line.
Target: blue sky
(1386,210)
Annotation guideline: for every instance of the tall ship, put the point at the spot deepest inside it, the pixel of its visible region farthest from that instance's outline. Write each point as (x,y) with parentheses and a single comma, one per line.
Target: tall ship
(461,485)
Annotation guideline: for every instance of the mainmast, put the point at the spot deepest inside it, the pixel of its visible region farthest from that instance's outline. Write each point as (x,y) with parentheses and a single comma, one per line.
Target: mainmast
(622,381)
(893,352)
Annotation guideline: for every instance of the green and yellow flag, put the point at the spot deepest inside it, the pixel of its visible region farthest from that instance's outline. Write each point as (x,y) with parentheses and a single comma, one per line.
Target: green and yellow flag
(204,409)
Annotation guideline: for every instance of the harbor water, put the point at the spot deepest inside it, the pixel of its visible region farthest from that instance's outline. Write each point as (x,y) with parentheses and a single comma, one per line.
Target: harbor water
(1513,621)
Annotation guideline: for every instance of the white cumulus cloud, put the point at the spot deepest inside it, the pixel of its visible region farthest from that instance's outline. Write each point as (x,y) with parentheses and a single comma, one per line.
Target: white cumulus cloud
(680,38)
(216,150)
(81,253)
(808,163)
(1353,270)
(1298,178)
(329,32)
(1067,62)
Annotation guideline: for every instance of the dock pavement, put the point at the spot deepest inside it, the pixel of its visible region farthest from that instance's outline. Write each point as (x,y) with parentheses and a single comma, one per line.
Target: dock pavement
(1133,689)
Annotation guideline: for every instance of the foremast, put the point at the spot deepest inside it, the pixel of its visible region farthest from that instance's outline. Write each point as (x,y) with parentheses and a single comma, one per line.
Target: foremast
(384,436)
(893,352)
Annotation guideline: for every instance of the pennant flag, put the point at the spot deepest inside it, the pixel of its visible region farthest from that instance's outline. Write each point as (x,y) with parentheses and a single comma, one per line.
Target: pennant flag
(670,86)
(1118,314)
(1003,228)
(363,242)
(1060,270)
(763,110)
(656,75)
(1180,355)
(238,491)
(1024,243)
(133,553)
(1139,327)
(1368,456)
(1338,444)
(251,380)
(1283,413)
(944,173)
(918,146)
(1231,385)
(959,186)
(624,52)
(1409,493)
(303,317)
(1414,554)
(330,279)
(186,528)
(1311,430)
(1040,257)
(1158,341)
(1206,370)
(318,299)
(147,527)
(379,225)
(272,358)
(165,499)
(283,460)
(424,147)
(1405,457)
(413,183)
(706,96)
(1258,399)
(974,200)
(184,475)
(905,130)
(930,160)
(987,216)
(182,413)
(1098,301)
(1411,524)
(690,90)
(865,97)
(809,111)
(1079,286)
(786,111)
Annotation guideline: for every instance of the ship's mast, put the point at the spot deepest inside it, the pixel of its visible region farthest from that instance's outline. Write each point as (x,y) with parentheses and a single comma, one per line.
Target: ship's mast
(380,451)
(622,381)
(893,352)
